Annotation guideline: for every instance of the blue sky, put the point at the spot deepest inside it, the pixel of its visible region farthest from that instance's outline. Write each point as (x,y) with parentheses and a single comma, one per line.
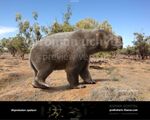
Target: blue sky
(125,16)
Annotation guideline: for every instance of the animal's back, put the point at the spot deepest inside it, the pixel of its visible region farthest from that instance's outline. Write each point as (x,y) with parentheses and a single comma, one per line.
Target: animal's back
(54,49)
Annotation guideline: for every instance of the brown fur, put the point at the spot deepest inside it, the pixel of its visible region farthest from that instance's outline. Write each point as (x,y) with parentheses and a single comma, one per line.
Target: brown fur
(69,51)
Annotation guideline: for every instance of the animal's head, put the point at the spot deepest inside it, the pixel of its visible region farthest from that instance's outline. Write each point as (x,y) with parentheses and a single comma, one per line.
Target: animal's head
(108,41)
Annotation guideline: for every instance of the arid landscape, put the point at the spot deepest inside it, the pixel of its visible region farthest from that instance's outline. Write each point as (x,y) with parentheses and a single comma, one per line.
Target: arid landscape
(118,79)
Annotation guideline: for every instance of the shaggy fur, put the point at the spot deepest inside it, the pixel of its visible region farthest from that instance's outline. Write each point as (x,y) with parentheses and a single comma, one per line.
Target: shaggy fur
(70,51)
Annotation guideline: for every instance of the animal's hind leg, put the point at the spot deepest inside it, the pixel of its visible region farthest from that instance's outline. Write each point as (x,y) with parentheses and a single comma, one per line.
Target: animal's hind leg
(35,73)
(42,74)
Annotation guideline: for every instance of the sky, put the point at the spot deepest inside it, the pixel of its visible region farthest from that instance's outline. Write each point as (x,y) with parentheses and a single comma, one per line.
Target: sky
(125,16)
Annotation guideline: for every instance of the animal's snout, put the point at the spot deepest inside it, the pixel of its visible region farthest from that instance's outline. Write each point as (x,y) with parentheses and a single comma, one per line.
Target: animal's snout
(121,46)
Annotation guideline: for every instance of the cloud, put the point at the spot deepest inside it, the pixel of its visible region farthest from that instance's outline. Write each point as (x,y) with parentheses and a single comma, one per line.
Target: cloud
(4,30)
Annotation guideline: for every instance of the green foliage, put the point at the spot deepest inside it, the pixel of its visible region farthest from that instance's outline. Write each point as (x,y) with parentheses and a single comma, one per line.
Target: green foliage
(20,44)
(28,31)
(11,47)
(26,26)
(16,45)
(105,26)
(103,55)
(3,42)
(130,50)
(35,15)
(141,44)
(68,14)
(87,23)
(1,50)
(37,32)
(45,30)
(90,23)
(67,27)
(56,27)
(34,32)
(18,17)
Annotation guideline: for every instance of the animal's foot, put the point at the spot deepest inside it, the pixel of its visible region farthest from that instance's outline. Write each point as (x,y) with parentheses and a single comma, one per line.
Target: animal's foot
(38,84)
(78,87)
(90,82)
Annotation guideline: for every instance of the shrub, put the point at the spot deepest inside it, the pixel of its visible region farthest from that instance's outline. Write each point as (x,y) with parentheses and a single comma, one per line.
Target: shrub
(129,51)
(56,27)
(16,45)
(87,23)
(1,50)
(141,44)
(20,45)
(67,27)
(11,48)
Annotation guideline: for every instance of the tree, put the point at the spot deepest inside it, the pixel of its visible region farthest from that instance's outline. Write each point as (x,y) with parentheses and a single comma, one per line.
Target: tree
(106,26)
(16,45)
(37,32)
(67,14)
(1,49)
(10,46)
(36,27)
(45,30)
(18,17)
(141,44)
(20,45)
(87,23)
(67,28)
(28,31)
(35,15)
(4,41)
(20,24)
(24,28)
(56,27)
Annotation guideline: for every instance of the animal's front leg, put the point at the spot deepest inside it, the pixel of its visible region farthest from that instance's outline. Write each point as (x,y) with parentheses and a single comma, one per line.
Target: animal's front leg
(73,79)
(85,75)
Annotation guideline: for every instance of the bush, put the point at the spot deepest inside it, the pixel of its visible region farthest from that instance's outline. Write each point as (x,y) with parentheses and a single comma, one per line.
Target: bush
(67,27)
(142,45)
(11,48)
(16,45)
(87,23)
(56,27)
(1,50)
(129,51)
(143,49)
(20,45)
(103,55)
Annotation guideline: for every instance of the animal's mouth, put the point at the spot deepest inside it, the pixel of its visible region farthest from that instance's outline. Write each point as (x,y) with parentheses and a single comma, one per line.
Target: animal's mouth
(113,48)
(120,47)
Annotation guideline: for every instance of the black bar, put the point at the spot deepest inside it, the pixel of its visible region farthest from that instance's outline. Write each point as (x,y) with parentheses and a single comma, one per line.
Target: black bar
(75,110)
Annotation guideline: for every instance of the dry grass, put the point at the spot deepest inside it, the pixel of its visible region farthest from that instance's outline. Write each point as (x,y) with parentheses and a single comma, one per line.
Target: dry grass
(126,81)
(113,94)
